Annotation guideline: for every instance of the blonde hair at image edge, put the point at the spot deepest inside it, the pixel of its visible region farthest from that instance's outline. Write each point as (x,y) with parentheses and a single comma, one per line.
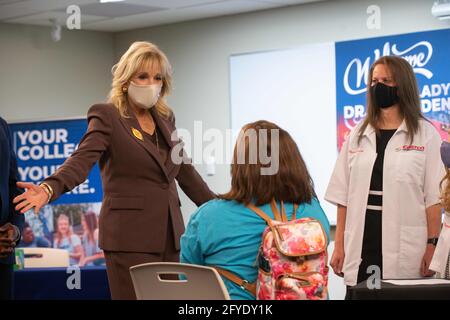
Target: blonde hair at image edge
(140,56)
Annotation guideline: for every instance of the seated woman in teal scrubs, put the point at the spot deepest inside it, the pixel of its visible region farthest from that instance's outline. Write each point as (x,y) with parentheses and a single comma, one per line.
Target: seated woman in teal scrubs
(224,232)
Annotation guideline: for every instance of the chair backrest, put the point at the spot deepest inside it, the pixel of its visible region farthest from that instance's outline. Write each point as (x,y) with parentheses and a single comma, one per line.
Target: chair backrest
(196,282)
(45,257)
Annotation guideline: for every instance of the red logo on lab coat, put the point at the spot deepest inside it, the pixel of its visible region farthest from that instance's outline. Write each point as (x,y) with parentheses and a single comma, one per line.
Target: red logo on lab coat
(411,147)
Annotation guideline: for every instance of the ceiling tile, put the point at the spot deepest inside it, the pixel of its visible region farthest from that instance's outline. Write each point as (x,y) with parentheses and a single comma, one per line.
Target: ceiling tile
(289,2)
(131,14)
(173,4)
(43,19)
(115,10)
(172,16)
(24,8)
(3,2)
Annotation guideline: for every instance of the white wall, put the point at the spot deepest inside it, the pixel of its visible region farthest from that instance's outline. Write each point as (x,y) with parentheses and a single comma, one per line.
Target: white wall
(41,79)
(309,114)
(200,51)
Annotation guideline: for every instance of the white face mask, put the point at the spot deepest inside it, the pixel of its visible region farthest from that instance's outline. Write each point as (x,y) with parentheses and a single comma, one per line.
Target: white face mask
(144,96)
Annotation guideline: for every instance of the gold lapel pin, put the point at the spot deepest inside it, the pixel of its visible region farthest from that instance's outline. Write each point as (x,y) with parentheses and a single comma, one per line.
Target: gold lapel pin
(137,134)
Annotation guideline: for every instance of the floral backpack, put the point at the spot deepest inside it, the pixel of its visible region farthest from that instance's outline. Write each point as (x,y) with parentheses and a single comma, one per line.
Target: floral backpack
(292,259)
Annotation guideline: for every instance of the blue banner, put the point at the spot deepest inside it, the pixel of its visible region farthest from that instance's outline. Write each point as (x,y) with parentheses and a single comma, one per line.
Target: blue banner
(42,146)
(427,52)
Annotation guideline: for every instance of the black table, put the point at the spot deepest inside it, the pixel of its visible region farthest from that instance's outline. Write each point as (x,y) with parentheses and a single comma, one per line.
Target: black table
(390,291)
(51,284)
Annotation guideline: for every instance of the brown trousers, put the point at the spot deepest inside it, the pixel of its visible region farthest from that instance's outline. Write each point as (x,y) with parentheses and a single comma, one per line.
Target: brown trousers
(118,266)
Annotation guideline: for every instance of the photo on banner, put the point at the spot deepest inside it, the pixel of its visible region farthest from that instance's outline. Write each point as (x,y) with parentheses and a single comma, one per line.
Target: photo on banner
(71,222)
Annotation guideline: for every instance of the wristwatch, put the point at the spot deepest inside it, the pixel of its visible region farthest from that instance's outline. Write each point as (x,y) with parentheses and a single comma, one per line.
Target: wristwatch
(433,241)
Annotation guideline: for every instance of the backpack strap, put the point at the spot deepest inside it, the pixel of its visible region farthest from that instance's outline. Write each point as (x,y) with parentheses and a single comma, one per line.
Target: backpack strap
(295,212)
(283,213)
(276,213)
(260,213)
(243,284)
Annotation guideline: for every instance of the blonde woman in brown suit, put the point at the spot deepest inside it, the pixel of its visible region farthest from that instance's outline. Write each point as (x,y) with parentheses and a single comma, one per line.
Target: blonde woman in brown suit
(130,137)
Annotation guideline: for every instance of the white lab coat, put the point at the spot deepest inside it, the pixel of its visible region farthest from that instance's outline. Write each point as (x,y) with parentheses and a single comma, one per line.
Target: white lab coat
(411,177)
(440,256)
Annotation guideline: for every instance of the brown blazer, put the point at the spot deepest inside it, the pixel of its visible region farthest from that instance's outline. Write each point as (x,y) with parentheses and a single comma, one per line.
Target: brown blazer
(139,191)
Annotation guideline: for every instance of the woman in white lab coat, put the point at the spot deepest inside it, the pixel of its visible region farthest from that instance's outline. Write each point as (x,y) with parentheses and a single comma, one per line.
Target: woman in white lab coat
(441,258)
(386,183)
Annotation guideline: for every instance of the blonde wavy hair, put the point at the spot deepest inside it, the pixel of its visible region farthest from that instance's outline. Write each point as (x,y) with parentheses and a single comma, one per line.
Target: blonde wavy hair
(445,191)
(141,55)
(59,236)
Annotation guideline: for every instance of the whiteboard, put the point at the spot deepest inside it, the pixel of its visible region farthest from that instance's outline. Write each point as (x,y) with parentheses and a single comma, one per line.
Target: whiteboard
(296,89)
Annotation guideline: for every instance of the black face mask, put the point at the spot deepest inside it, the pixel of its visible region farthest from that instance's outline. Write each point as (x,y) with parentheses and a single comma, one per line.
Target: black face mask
(384,95)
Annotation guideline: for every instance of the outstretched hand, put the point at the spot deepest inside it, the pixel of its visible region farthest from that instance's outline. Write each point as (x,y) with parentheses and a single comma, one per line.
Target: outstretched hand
(34,197)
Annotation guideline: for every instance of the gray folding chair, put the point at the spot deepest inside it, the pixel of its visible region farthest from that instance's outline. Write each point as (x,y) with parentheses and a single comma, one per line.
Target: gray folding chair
(196,282)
